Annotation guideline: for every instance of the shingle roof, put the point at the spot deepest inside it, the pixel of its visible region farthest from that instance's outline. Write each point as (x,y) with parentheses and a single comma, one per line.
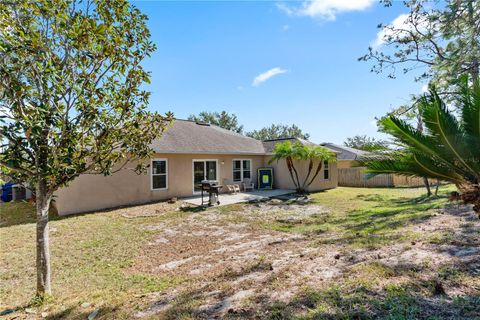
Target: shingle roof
(346,153)
(190,137)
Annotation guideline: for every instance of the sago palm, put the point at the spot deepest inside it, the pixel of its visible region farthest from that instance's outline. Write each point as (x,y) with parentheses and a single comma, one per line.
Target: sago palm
(448,149)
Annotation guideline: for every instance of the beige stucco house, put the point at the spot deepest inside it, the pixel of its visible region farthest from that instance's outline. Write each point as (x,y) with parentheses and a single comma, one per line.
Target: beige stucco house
(186,154)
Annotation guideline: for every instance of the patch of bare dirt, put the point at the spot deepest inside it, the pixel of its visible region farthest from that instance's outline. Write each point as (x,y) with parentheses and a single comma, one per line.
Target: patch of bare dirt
(232,264)
(151,209)
(198,249)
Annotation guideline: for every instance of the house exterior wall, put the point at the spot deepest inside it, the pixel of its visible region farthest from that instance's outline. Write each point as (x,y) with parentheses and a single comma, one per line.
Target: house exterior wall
(93,192)
(282,179)
(346,164)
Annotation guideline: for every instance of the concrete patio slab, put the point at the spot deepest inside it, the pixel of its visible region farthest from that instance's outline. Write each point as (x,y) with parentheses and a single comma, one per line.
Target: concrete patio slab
(230,198)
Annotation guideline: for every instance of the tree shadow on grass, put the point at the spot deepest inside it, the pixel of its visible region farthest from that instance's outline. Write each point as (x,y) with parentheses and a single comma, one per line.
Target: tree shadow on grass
(411,300)
(20,212)
(72,312)
(193,209)
(104,312)
(462,242)
(23,212)
(404,301)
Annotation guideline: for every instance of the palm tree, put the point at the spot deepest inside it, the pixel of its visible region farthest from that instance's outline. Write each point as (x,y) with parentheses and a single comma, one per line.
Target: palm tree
(448,149)
(299,152)
(319,154)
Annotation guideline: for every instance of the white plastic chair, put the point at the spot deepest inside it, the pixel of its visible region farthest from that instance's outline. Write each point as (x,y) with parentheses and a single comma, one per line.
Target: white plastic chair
(248,184)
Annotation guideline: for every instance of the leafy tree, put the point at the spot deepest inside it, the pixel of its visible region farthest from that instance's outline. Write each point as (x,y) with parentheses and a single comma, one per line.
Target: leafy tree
(298,152)
(222,119)
(278,131)
(442,40)
(70,97)
(362,142)
(448,149)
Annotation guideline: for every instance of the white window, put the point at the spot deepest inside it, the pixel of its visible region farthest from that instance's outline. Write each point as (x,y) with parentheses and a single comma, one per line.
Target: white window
(326,170)
(159,170)
(242,169)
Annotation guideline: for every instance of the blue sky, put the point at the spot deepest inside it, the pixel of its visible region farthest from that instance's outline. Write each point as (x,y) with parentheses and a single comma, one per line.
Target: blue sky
(209,53)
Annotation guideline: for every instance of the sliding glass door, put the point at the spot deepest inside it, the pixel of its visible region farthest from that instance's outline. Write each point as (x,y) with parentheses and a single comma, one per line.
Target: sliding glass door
(203,170)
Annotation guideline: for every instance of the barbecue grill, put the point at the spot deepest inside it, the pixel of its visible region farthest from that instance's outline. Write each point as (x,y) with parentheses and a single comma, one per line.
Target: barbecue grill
(211,187)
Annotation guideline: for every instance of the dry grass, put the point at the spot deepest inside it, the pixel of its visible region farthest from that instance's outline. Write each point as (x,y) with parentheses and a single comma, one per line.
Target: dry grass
(351,253)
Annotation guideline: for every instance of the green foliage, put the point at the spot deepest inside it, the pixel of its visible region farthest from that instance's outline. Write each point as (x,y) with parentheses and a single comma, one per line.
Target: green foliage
(362,142)
(222,119)
(278,131)
(442,40)
(448,149)
(70,89)
(300,152)
(71,97)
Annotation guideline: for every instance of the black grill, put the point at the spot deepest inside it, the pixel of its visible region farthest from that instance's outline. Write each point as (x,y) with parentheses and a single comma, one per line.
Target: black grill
(211,187)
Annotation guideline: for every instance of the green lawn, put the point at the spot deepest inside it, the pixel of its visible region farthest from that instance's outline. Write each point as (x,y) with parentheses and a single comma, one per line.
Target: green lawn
(367,217)
(108,262)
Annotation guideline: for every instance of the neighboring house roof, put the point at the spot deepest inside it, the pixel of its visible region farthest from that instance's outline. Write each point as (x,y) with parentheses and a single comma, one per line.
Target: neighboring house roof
(346,153)
(269,145)
(186,136)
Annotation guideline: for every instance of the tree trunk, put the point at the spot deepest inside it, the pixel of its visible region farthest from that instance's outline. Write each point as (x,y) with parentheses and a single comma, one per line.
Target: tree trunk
(474,69)
(319,168)
(420,129)
(296,181)
(296,174)
(289,166)
(436,187)
(305,181)
(43,251)
(427,185)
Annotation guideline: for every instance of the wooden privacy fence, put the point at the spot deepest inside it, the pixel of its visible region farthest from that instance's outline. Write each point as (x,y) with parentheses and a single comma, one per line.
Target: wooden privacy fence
(355,177)
(399,181)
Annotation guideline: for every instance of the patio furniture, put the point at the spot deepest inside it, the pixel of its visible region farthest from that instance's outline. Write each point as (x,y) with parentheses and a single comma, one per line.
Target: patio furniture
(248,184)
(231,187)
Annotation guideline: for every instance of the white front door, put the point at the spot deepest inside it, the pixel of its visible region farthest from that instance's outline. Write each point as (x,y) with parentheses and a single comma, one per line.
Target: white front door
(203,170)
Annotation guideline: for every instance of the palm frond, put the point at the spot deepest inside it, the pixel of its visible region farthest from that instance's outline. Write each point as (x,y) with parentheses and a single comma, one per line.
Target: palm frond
(409,136)
(471,115)
(408,165)
(447,133)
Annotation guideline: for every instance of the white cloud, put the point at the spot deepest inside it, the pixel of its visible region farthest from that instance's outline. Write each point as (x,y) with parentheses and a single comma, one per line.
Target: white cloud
(425,88)
(325,9)
(399,28)
(285,27)
(262,77)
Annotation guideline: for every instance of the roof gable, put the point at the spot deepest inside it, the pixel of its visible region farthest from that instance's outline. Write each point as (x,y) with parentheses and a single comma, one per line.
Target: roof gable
(199,138)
